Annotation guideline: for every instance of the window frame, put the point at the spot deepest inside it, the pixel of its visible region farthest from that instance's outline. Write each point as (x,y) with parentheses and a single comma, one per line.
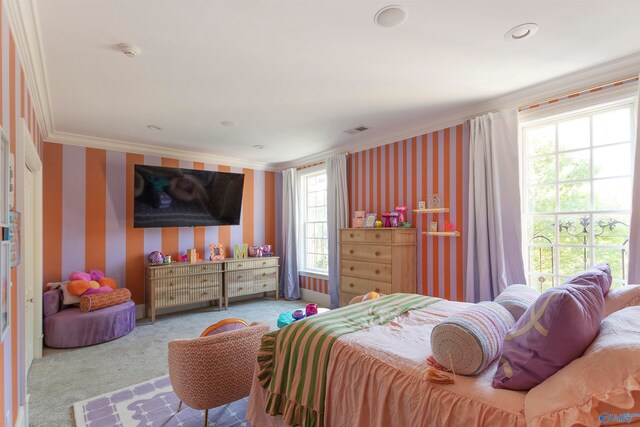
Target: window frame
(554,117)
(302,215)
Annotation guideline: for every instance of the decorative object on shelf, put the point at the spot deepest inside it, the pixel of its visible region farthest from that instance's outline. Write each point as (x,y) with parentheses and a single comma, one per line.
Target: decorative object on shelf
(216,252)
(433,226)
(5,153)
(192,256)
(401,211)
(378,224)
(358,219)
(448,226)
(434,200)
(422,205)
(5,285)
(240,251)
(253,251)
(404,224)
(370,220)
(311,309)
(15,221)
(156,257)
(267,250)
(387,219)
(393,218)
(298,314)
(167,259)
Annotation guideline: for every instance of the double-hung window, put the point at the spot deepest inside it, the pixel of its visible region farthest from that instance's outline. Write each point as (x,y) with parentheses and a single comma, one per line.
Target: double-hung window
(577,180)
(313,215)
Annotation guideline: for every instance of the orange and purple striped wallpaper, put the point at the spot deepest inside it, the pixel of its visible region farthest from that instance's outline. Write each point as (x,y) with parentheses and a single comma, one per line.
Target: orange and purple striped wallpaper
(15,103)
(88,215)
(314,284)
(403,173)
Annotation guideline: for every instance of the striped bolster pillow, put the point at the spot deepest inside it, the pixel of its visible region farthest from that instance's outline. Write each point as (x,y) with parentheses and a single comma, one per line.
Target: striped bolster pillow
(468,341)
(107,299)
(517,299)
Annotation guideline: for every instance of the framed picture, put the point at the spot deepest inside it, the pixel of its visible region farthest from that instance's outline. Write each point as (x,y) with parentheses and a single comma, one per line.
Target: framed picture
(5,153)
(370,220)
(216,252)
(433,226)
(15,231)
(434,201)
(5,288)
(422,205)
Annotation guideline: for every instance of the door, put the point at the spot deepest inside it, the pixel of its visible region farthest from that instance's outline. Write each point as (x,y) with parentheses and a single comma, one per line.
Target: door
(28,226)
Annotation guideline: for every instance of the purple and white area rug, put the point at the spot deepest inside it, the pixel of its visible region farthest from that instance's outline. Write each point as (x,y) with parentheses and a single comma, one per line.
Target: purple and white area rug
(152,403)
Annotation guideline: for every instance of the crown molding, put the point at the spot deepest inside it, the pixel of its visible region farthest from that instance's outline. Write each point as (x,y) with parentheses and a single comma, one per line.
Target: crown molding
(617,69)
(154,150)
(24,24)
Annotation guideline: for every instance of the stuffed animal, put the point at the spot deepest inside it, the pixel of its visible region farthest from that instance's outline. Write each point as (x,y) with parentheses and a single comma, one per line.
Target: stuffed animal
(93,282)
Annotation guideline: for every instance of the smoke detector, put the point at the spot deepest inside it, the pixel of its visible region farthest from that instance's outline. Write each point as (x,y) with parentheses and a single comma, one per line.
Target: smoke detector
(356,130)
(390,16)
(129,50)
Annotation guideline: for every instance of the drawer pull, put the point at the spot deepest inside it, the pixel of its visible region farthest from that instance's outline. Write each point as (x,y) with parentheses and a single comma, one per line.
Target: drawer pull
(171,284)
(264,274)
(377,236)
(205,293)
(240,288)
(351,235)
(172,297)
(264,286)
(377,271)
(239,265)
(351,268)
(204,268)
(204,280)
(170,271)
(351,251)
(264,262)
(377,253)
(351,285)
(239,277)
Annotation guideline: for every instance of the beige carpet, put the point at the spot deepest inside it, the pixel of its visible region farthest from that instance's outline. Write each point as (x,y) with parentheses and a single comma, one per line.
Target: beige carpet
(63,377)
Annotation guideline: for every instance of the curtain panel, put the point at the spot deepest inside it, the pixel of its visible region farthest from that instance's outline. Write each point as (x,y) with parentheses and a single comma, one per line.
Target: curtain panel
(289,282)
(337,218)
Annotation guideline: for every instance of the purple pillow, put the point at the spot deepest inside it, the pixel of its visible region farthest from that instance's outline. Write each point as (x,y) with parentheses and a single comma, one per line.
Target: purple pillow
(599,275)
(550,334)
(96,274)
(80,275)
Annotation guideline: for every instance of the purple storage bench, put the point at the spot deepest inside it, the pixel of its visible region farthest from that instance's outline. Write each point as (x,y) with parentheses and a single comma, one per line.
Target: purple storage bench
(68,326)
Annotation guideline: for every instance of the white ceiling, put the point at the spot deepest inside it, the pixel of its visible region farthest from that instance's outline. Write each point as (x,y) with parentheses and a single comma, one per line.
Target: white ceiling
(295,74)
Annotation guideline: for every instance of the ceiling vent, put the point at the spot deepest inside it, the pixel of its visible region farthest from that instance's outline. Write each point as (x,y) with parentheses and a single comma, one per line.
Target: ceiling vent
(129,50)
(356,130)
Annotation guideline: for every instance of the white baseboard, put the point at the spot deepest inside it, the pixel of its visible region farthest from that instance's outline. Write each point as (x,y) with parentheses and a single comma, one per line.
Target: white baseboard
(319,298)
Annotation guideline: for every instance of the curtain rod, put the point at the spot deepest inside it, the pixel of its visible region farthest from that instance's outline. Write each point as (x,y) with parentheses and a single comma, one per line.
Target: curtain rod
(577,93)
(310,165)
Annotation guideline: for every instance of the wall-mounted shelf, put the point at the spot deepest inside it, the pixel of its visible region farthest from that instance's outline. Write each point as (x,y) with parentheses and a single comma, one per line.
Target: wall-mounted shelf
(442,233)
(432,210)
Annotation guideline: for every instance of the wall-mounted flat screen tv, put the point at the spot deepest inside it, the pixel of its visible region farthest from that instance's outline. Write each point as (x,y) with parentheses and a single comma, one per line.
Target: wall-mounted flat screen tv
(175,197)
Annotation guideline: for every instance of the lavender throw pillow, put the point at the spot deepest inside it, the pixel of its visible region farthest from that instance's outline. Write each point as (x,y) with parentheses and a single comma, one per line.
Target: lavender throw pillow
(599,274)
(551,333)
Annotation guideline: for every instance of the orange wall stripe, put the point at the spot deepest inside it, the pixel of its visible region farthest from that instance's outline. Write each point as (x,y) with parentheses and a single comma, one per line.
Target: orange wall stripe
(414,183)
(14,273)
(135,256)
(358,206)
(396,177)
(224,231)
(447,202)
(435,259)
(371,207)
(270,208)
(52,212)
(387,181)
(405,144)
(459,220)
(248,207)
(170,235)
(96,208)
(198,232)
(423,218)
(380,207)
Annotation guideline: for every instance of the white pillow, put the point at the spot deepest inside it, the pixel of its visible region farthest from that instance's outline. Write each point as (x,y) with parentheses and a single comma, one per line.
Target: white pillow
(67,298)
(619,298)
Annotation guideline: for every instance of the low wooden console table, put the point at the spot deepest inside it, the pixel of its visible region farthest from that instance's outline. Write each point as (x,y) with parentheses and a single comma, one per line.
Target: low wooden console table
(177,284)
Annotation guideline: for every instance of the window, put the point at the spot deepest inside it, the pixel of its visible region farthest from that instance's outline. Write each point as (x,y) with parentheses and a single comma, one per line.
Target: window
(577,179)
(313,197)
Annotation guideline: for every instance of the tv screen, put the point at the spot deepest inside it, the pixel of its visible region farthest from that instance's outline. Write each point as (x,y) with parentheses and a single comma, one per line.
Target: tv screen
(175,197)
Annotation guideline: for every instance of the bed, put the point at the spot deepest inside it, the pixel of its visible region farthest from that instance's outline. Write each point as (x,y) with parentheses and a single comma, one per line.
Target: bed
(375,376)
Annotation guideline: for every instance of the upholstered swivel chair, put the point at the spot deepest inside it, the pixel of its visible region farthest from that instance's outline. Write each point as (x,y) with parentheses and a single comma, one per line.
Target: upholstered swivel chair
(216,368)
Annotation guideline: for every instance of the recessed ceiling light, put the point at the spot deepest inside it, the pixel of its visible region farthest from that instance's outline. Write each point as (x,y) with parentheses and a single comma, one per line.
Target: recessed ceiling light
(228,123)
(129,50)
(391,16)
(154,127)
(258,146)
(522,31)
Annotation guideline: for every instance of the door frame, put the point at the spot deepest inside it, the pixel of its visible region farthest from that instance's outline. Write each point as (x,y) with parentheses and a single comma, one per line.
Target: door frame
(33,163)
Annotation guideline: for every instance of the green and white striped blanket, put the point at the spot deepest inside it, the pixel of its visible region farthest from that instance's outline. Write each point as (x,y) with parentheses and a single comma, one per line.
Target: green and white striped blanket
(293,360)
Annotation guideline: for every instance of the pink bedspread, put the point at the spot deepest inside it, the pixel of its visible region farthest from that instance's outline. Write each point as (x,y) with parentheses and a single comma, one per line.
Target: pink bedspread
(375,378)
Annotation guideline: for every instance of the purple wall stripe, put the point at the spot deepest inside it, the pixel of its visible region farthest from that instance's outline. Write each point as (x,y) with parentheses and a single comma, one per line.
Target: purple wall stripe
(258,200)
(115,226)
(73,209)
(152,236)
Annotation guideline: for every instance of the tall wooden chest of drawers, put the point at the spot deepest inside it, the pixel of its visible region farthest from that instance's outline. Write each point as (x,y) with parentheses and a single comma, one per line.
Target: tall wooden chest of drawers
(377,259)
(182,283)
